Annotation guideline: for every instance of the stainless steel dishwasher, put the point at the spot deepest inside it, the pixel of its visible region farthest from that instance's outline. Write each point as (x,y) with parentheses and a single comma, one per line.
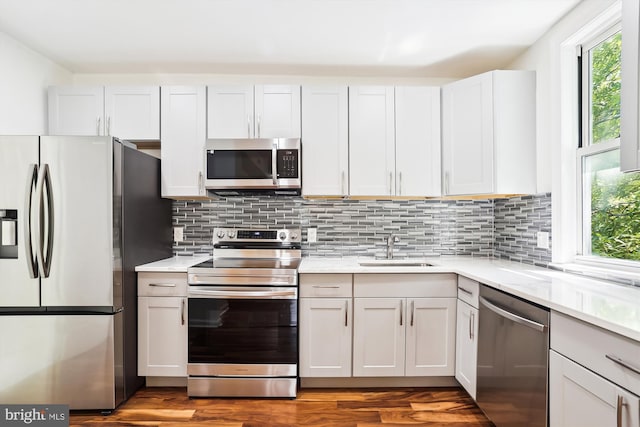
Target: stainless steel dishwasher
(513,360)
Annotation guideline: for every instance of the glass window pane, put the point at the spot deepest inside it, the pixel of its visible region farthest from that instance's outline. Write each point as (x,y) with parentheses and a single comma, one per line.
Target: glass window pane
(605,89)
(611,208)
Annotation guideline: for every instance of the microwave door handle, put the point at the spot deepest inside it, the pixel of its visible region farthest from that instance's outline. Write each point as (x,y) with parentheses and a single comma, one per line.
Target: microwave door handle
(274,163)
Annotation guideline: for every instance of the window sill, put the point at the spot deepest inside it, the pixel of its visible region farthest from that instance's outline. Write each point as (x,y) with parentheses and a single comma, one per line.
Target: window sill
(622,274)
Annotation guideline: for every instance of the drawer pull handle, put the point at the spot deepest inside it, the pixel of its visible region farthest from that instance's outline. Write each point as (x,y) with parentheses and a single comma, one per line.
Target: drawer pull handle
(325,287)
(465,291)
(163,285)
(622,363)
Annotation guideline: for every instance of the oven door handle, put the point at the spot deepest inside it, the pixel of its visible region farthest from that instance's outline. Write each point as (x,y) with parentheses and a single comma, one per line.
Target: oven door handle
(244,294)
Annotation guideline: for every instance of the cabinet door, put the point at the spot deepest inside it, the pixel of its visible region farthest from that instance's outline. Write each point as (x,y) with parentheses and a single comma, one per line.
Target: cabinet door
(467,136)
(76,110)
(277,109)
(379,337)
(325,337)
(467,347)
(132,112)
(431,336)
(183,132)
(162,336)
(230,111)
(417,112)
(578,397)
(371,141)
(325,135)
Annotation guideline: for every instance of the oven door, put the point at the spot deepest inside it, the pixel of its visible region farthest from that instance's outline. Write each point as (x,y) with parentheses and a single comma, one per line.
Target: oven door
(236,331)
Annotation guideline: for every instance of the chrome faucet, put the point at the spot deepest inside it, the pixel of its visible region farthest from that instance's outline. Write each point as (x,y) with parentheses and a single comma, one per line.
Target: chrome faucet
(391,239)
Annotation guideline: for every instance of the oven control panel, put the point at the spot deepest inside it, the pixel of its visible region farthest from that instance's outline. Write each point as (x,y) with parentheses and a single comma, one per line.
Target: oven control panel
(284,236)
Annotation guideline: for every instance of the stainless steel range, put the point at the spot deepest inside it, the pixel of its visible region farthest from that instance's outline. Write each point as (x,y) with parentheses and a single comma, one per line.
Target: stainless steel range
(243,315)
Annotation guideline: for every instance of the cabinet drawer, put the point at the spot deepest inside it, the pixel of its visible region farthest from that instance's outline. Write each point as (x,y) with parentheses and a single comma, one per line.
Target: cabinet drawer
(422,285)
(162,284)
(325,285)
(468,291)
(593,348)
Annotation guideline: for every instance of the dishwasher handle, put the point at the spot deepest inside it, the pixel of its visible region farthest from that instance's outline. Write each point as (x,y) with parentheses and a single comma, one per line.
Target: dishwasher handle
(513,317)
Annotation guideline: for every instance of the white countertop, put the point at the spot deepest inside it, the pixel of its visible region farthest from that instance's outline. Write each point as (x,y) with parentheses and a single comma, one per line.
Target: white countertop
(176,264)
(608,305)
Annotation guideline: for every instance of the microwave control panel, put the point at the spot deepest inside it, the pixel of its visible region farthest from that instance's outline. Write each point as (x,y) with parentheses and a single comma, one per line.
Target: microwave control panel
(288,161)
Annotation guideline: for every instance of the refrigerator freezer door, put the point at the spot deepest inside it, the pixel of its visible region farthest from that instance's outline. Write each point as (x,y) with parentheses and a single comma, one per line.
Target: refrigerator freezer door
(18,156)
(63,359)
(82,263)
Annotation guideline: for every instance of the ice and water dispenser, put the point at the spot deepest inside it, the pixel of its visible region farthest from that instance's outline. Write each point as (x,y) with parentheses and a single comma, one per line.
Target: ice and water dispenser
(8,233)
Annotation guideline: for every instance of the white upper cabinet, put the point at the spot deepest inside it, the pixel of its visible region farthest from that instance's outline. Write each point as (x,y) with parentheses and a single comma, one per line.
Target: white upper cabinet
(132,112)
(230,111)
(183,141)
(245,111)
(630,95)
(76,110)
(277,111)
(127,112)
(488,134)
(417,143)
(371,141)
(325,137)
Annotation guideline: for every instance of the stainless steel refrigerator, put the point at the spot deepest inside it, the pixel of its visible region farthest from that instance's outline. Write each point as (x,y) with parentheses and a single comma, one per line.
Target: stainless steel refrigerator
(77,214)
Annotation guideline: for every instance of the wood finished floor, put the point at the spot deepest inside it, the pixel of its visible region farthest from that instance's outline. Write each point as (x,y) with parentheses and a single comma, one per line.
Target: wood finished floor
(407,407)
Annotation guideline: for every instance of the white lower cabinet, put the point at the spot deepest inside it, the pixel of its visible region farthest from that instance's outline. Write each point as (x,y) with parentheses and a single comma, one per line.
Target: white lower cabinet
(467,347)
(162,324)
(379,337)
(325,337)
(467,334)
(594,376)
(376,334)
(411,336)
(326,325)
(578,397)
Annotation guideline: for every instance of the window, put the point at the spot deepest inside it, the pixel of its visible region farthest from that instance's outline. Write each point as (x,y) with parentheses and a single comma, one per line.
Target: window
(609,200)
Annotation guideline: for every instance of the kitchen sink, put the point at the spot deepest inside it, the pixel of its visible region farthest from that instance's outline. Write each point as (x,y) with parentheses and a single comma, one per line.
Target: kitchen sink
(395,263)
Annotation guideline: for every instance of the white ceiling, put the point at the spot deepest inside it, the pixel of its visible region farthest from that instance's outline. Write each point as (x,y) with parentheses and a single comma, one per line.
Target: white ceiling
(428,38)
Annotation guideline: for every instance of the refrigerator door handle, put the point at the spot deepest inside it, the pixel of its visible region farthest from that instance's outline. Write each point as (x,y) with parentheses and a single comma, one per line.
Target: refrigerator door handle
(32,260)
(44,255)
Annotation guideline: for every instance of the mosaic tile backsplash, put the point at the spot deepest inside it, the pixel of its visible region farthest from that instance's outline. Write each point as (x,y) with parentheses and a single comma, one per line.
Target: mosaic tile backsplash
(503,228)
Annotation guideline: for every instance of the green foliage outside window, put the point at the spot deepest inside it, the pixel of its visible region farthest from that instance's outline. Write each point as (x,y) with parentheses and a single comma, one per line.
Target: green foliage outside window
(615,197)
(605,89)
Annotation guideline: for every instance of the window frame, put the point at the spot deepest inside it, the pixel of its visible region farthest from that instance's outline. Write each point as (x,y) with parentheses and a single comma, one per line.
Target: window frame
(586,148)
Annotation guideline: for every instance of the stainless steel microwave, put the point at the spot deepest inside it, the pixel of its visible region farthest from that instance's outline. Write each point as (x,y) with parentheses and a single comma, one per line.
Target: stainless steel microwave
(247,165)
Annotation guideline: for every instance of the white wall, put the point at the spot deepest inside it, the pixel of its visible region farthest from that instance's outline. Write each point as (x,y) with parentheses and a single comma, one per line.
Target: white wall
(544,57)
(24,77)
(554,58)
